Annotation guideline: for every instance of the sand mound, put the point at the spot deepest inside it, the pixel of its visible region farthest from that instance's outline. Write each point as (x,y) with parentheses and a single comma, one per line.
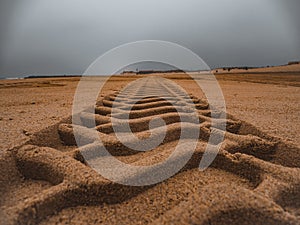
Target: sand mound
(249,182)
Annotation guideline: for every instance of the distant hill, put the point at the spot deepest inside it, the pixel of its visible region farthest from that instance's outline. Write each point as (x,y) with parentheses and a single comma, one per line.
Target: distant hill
(50,76)
(291,67)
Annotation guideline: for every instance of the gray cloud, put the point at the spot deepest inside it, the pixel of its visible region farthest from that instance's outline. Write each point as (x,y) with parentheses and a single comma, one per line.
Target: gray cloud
(65,36)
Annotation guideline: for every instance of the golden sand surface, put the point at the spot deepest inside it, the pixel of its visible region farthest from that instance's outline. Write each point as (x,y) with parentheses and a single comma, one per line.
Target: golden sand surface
(255,178)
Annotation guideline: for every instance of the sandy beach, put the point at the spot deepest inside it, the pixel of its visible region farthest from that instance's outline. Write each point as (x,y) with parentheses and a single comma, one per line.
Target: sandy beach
(255,176)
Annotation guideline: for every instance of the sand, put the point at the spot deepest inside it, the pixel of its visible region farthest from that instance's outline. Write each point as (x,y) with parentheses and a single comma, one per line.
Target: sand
(255,178)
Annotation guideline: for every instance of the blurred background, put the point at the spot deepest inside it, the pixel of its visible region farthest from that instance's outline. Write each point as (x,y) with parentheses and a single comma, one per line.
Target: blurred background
(47,37)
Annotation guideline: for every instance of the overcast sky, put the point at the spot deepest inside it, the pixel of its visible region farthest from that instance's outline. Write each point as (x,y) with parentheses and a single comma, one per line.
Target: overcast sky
(66,36)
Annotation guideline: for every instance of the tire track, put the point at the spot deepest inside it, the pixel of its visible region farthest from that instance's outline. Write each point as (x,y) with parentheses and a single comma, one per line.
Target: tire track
(247,157)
